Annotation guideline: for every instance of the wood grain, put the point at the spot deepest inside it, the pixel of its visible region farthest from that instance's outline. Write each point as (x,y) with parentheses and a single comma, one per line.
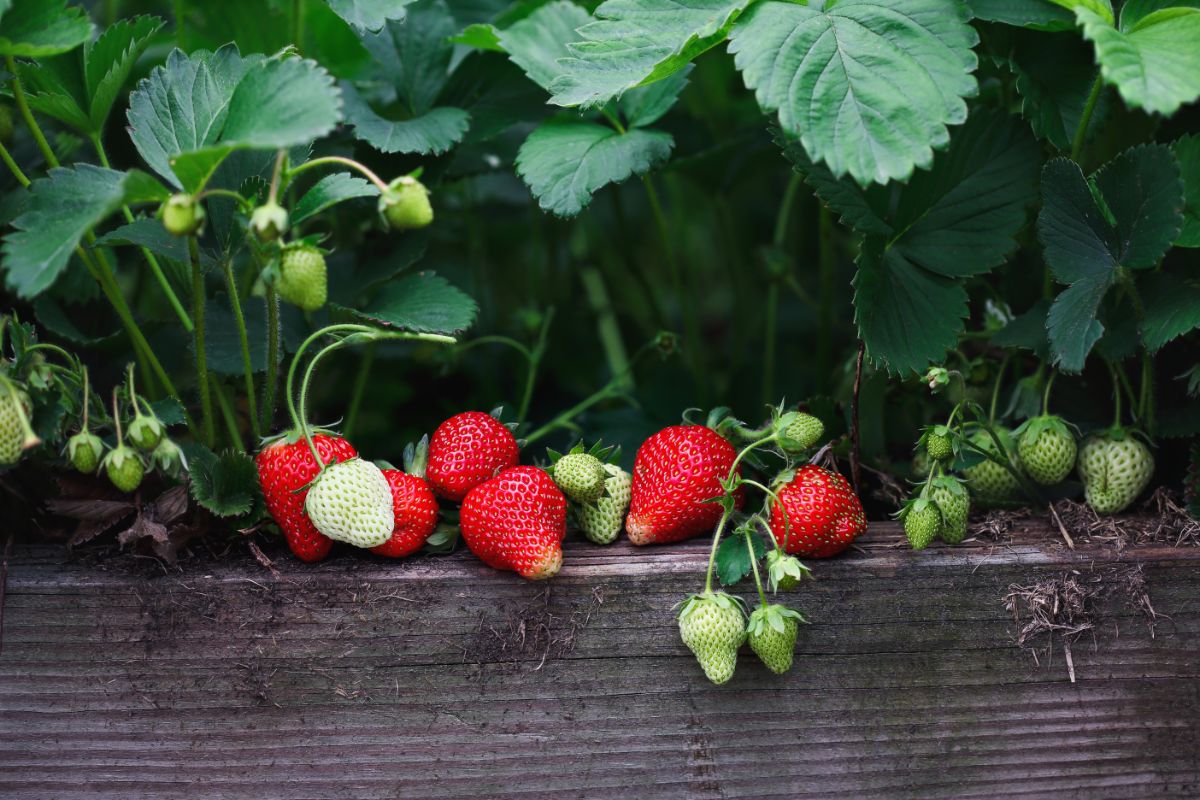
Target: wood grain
(440,678)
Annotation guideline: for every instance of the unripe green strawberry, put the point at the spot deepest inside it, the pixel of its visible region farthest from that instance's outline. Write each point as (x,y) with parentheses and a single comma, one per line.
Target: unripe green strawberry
(181,215)
(954,504)
(581,477)
(1047,449)
(800,432)
(713,627)
(268,222)
(168,459)
(1115,468)
(351,502)
(405,204)
(922,523)
(145,432)
(939,445)
(772,635)
(12,431)
(987,481)
(124,468)
(302,276)
(785,572)
(602,521)
(84,451)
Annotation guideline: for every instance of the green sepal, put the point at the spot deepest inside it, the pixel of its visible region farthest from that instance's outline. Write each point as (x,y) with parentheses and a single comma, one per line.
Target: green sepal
(772,616)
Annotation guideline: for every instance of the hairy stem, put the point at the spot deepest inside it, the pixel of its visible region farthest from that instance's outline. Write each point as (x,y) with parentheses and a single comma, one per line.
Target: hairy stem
(27,114)
(199,343)
(235,303)
(1086,118)
(360,388)
(762,596)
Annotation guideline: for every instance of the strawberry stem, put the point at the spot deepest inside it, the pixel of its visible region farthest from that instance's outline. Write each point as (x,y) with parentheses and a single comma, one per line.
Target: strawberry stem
(1046,393)
(349,162)
(712,555)
(762,596)
(117,419)
(787,527)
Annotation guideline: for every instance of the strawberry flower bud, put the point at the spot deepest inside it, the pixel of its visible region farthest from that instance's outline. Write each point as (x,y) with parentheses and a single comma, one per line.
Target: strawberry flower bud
(181,215)
(269,222)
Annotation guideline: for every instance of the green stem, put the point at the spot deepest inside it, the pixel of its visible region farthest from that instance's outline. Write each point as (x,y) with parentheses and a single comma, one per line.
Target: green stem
(198,340)
(606,325)
(178,4)
(155,268)
(539,350)
(1086,118)
(247,364)
(770,324)
(360,388)
(762,596)
(226,408)
(1116,384)
(298,24)
(13,167)
(349,162)
(27,114)
(1046,392)
(775,501)
(996,389)
(712,553)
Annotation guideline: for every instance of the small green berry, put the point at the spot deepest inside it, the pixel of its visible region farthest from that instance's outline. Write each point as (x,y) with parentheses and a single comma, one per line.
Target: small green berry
(939,446)
(303,281)
(801,431)
(84,451)
(145,432)
(580,476)
(269,222)
(124,468)
(168,459)
(922,524)
(181,215)
(405,205)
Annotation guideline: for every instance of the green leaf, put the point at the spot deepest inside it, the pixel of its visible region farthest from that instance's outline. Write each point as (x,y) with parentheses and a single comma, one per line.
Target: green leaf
(868,88)
(954,221)
(1055,74)
(35,28)
(480,36)
(151,234)
(564,162)
(1187,150)
(1037,14)
(1152,59)
(194,111)
(907,316)
(223,345)
(422,302)
(226,485)
(733,557)
(414,58)
(1172,308)
(646,105)
(168,410)
(1142,192)
(853,204)
(537,42)
(1027,331)
(432,133)
(329,191)
(635,42)
(369,15)
(108,61)
(62,208)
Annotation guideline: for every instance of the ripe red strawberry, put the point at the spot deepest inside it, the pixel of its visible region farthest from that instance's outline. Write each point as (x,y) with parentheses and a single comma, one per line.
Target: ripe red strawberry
(466,450)
(823,514)
(517,521)
(675,472)
(284,467)
(416,511)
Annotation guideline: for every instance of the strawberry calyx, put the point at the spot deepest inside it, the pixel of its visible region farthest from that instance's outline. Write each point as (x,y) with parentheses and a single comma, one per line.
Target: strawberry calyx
(772,616)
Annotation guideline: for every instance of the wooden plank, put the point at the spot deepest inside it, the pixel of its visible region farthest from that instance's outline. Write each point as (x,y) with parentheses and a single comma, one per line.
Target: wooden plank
(440,678)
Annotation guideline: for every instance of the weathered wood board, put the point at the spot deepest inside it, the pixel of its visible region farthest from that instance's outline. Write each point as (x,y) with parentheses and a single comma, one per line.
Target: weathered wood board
(439,678)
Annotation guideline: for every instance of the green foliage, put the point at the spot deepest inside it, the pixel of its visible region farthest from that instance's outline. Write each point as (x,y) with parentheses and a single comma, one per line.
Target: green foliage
(41,27)
(225,484)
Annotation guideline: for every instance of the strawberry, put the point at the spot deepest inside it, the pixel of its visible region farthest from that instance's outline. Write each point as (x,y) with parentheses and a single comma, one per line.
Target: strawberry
(14,422)
(800,431)
(602,521)
(302,276)
(169,459)
(676,473)
(285,468)
(145,431)
(988,481)
(954,504)
(922,523)
(466,450)
(416,512)
(713,626)
(124,467)
(181,215)
(405,205)
(772,634)
(351,502)
(784,572)
(1115,468)
(516,521)
(1047,449)
(581,477)
(818,515)
(84,450)
(938,444)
